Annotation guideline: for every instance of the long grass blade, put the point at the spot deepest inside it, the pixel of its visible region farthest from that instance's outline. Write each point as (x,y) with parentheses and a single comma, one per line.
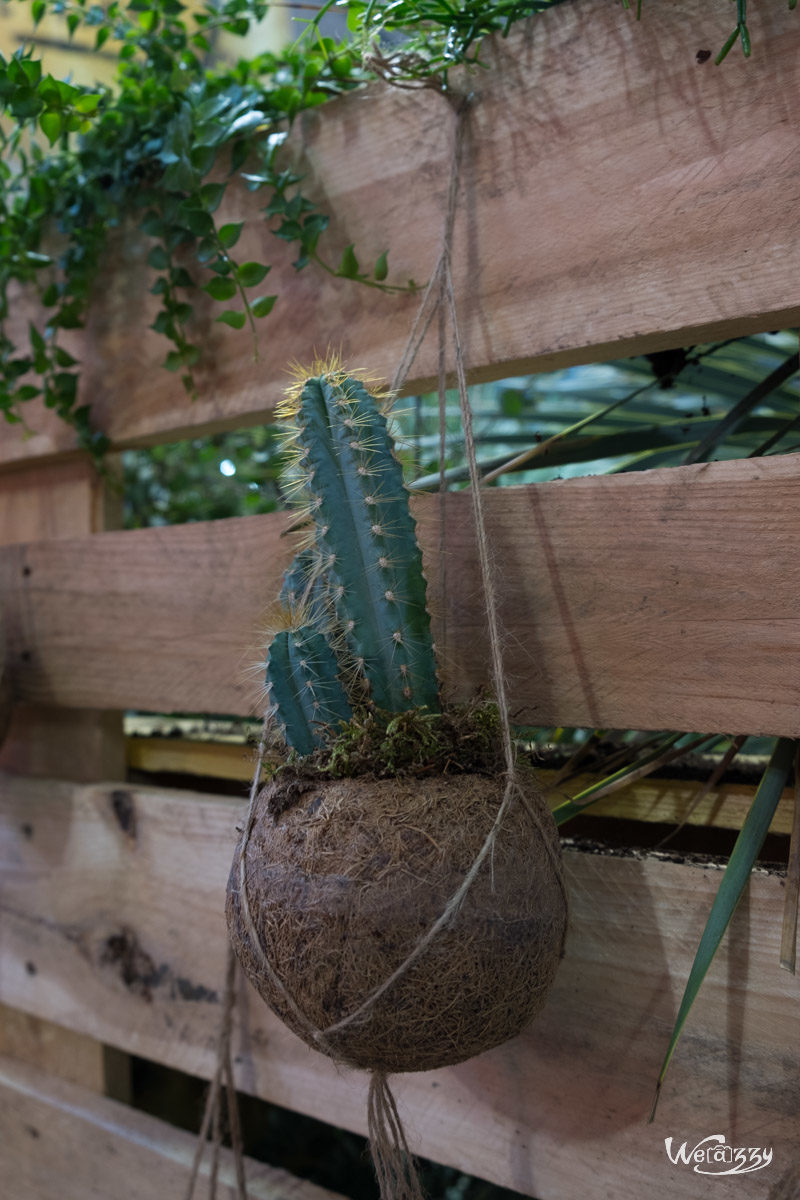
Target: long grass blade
(792,897)
(708,786)
(739,411)
(674,746)
(737,872)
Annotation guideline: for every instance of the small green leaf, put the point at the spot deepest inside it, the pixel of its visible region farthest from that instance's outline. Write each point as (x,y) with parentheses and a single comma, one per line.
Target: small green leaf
(73,21)
(38,9)
(263,306)
(51,125)
(199,222)
(382,267)
(153,224)
(220,288)
(348,267)
(211,196)
(148,20)
(206,250)
(229,234)
(101,37)
(251,273)
(158,258)
(236,320)
(88,104)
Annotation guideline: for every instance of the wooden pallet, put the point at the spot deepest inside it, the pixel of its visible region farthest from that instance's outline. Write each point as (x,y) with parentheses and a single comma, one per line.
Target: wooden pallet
(618,198)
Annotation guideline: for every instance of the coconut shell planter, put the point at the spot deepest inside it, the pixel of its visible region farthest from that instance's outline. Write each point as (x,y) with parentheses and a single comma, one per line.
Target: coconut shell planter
(394,899)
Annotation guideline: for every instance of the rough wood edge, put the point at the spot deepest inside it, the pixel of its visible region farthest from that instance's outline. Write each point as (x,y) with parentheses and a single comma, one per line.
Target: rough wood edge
(66,1136)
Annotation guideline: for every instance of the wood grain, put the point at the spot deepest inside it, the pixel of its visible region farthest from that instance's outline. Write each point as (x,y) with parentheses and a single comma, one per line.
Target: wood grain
(61,1142)
(660,599)
(114,896)
(67,499)
(618,197)
(47,1047)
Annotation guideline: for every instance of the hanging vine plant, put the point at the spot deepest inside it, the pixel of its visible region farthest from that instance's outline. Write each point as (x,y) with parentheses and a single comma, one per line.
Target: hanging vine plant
(75,160)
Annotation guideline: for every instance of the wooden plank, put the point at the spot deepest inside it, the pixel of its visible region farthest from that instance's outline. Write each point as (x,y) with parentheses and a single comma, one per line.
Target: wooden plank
(81,744)
(68,499)
(618,197)
(661,599)
(61,1142)
(115,896)
(73,1056)
(63,499)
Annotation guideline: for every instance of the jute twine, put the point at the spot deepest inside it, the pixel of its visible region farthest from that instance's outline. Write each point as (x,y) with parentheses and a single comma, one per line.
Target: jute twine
(394,1164)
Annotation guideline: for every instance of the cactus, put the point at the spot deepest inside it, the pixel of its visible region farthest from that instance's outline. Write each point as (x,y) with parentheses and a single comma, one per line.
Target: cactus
(358,585)
(304,688)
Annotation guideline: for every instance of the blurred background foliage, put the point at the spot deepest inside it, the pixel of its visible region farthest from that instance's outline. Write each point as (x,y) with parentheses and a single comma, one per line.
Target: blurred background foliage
(719,401)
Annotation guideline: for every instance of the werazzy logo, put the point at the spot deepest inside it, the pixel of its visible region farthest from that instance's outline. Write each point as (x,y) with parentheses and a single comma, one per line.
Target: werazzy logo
(713,1156)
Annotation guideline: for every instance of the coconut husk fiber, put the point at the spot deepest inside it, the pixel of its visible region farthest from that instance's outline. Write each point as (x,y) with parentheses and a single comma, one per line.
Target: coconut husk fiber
(330,897)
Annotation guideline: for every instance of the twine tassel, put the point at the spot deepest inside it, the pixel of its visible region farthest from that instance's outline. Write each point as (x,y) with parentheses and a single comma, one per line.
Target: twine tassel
(391,1157)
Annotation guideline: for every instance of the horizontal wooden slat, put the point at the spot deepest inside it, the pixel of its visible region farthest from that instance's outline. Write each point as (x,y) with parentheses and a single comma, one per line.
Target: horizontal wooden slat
(112,919)
(662,599)
(669,801)
(62,1142)
(48,1047)
(618,197)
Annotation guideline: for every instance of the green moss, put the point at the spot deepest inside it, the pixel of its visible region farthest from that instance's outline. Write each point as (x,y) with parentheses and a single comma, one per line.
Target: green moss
(464,739)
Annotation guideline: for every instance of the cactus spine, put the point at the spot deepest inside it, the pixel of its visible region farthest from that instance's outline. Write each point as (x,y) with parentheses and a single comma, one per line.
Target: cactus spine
(359,585)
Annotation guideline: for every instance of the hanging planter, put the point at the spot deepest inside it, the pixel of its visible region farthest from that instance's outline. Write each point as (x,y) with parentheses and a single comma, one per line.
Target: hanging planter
(395,898)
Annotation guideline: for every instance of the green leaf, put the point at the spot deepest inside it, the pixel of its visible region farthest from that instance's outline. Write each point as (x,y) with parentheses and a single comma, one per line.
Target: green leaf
(148,20)
(236,320)
(229,234)
(153,224)
(348,267)
(251,273)
(39,348)
(51,125)
(382,267)
(88,103)
(38,9)
(263,306)
(101,37)
(737,872)
(199,222)
(220,288)
(73,21)
(158,258)
(211,196)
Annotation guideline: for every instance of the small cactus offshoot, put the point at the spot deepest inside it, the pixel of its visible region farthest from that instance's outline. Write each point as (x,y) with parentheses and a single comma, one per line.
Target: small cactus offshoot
(358,629)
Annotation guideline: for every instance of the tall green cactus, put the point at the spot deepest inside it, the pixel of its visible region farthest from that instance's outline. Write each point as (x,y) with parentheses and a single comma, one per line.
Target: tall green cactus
(360,583)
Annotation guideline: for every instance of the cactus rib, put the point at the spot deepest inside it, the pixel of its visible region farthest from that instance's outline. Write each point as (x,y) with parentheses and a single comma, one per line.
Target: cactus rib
(304,688)
(366,537)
